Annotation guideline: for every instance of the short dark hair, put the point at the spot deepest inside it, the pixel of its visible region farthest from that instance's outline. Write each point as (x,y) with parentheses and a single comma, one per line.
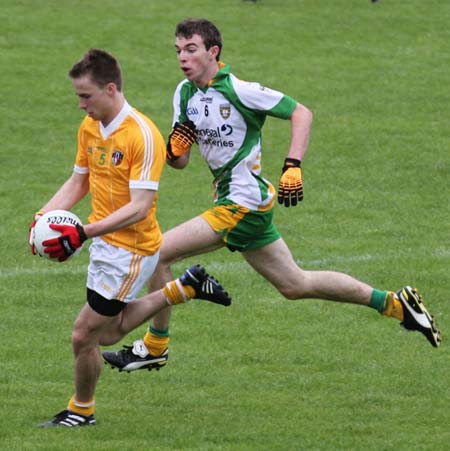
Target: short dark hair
(207,30)
(101,66)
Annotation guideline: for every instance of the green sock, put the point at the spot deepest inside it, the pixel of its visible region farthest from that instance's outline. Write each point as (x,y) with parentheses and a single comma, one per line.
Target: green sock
(158,333)
(377,300)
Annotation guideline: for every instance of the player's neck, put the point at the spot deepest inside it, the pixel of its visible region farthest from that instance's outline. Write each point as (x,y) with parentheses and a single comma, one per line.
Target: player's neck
(116,107)
(208,77)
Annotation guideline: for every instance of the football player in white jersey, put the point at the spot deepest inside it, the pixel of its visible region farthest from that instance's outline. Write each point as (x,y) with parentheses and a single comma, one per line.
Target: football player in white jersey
(225,116)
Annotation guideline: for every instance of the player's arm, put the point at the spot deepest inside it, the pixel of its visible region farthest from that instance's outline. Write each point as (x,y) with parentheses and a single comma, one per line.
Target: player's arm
(143,183)
(73,236)
(180,162)
(71,192)
(301,121)
(181,138)
(136,210)
(290,189)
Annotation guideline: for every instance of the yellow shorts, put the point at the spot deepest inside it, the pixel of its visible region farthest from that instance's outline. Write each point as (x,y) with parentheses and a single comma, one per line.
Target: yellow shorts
(240,228)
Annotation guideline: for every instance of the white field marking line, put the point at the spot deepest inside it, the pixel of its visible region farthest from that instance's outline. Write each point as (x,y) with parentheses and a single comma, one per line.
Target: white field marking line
(239,266)
(14,272)
(224,266)
(230,266)
(329,262)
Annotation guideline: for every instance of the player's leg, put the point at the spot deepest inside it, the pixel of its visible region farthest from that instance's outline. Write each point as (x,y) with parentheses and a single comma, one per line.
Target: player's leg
(134,314)
(102,318)
(191,238)
(157,337)
(275,262)
(88,328)
(195,283)
(115,276)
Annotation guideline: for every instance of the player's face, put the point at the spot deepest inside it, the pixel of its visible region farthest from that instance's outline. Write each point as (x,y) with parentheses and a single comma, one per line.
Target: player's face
(96,101)
(198,64)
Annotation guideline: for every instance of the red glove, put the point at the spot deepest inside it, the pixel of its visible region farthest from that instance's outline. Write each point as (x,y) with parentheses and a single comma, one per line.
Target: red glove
(64,246)
(36,218)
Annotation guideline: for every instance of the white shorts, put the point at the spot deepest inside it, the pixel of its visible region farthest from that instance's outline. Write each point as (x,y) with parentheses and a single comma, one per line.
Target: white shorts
(116,273)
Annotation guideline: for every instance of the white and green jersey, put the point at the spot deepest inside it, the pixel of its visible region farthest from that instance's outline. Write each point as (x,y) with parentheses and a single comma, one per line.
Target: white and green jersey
(229,114)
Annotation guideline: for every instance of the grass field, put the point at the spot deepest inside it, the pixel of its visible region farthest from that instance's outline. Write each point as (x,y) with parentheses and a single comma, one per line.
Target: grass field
(265,374)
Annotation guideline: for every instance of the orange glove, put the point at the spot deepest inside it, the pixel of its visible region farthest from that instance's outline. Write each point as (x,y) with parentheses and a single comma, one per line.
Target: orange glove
(181,138)
(290,189)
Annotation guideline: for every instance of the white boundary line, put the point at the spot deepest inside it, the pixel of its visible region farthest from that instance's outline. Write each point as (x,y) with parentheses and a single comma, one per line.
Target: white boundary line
(230,266)
(15,272)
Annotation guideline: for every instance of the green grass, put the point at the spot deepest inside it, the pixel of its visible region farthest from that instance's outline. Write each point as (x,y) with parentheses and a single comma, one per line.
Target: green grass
(265,374)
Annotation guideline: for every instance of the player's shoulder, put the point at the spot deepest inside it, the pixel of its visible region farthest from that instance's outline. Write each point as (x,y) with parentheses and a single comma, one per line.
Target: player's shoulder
(88,123)
(141,125)
(89,128)
(184,82)
(185,88)
(241,85)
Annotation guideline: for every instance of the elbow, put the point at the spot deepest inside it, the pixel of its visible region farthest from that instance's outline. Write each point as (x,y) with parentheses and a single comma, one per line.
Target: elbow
(142,209)
(142,213)
(304,113)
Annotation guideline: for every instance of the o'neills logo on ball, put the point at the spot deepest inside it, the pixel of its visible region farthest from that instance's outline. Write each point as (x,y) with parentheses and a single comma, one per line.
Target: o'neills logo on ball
(61,220)
(117,157)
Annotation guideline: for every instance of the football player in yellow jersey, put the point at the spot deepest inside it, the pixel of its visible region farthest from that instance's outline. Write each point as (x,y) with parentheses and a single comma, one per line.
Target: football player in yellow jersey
(119,161)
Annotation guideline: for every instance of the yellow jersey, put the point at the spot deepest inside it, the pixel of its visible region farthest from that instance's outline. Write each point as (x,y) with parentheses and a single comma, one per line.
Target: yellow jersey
(129,153)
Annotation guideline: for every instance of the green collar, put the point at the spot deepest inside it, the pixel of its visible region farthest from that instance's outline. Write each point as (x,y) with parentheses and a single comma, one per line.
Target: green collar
(224,71)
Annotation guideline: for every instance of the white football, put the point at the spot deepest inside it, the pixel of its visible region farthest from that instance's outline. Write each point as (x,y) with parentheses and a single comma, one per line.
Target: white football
(43,232)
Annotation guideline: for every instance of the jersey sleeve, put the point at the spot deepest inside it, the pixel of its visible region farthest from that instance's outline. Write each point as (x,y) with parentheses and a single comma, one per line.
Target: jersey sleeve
(147,157)
(81,161)
(284,108)
(257,97)
(179,102)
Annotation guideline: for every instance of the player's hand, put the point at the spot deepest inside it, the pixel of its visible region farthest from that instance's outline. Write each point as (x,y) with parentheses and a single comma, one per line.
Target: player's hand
(181,138)
(62,247)
(36,218)
(291,185)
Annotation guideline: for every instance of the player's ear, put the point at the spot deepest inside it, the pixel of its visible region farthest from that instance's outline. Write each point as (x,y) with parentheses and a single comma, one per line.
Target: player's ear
(214,51)
(111,88)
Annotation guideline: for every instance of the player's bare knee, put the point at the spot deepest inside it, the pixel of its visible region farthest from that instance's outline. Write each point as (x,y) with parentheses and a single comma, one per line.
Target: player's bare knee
(80,340)
(167,256)
(291,293)
(294,288)
(165,260)
(298,286)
